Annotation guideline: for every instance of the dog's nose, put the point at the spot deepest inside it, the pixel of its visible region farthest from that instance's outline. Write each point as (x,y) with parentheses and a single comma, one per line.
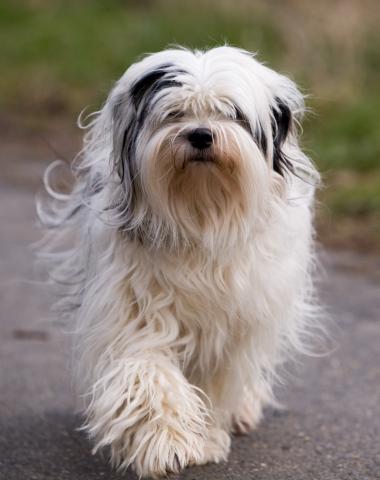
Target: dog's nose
(200,138)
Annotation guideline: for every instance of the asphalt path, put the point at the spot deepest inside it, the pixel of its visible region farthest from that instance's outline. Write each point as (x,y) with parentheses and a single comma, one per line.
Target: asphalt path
(330,428)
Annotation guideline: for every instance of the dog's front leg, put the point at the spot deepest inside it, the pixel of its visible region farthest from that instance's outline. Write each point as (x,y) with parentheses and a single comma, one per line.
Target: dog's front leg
(148,414)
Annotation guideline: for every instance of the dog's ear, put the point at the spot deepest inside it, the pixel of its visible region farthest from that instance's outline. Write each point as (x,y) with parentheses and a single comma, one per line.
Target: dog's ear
(130,111)
(282,127)
(124,133)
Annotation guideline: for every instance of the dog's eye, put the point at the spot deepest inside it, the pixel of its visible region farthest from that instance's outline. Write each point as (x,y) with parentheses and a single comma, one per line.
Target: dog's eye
(242,119)
(174,115)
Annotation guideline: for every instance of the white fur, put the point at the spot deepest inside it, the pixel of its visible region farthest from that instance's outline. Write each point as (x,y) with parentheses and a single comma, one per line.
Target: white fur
(190,281)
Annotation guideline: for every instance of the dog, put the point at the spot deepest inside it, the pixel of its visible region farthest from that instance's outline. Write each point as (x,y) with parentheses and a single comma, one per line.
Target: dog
(185,254)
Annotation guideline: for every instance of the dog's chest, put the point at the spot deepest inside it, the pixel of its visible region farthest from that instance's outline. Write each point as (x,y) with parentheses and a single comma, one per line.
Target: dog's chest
(208,302)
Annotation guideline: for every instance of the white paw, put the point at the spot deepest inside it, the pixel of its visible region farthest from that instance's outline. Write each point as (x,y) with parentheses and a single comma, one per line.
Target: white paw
(248,416)
(158,450)
(216,448)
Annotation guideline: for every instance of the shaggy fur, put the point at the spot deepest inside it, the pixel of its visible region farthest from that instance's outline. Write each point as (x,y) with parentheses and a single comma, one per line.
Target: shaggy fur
(186,271)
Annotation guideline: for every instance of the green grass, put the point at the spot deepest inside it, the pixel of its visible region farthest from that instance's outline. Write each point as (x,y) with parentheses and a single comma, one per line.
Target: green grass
(359,200)
(355,194)
(75,50)
(58,56)
(345,135)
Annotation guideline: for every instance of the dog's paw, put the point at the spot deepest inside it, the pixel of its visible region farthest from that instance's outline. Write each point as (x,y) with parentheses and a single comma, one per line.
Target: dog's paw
(216,448)
(247,417)
(160,450)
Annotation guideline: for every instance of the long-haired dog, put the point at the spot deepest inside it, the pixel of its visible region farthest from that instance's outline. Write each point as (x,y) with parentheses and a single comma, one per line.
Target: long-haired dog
(185,249)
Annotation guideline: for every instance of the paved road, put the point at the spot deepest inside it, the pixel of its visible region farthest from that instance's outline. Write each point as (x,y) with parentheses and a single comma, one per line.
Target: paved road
(330,429)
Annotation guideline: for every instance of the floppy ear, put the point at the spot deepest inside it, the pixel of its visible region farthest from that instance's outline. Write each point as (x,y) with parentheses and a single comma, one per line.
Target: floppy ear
(129,114)
(282,126)
(124,131)
(129,109)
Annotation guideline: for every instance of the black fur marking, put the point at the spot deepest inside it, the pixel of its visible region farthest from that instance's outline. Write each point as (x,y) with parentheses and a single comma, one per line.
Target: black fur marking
(143,91)
(127,150)
(263,141)
(146,82)
(129,115)
(124,139)
(281,124)
(243,120)
(259,136)
(141,94)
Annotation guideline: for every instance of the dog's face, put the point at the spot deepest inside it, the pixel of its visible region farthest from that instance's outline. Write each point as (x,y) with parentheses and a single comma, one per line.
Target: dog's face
(200,143)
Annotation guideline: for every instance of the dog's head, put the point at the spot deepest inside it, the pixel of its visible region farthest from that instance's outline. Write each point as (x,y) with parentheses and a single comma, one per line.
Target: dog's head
(200,142)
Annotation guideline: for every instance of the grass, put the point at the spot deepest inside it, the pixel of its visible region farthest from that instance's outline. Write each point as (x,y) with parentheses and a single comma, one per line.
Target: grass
(58,56)
(346,135)
(71,54)
(344,141)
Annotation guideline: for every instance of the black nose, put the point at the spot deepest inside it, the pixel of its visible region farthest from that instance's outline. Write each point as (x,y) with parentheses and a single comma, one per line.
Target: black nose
(200,138)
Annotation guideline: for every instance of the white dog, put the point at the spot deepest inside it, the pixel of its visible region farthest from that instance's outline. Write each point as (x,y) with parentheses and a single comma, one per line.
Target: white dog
(186,248)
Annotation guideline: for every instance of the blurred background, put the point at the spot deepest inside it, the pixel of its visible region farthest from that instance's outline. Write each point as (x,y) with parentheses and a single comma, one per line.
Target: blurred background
(57,57)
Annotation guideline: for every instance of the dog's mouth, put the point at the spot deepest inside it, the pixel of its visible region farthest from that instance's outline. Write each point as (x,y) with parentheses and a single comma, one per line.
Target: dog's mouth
(205,156)
(199,159)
